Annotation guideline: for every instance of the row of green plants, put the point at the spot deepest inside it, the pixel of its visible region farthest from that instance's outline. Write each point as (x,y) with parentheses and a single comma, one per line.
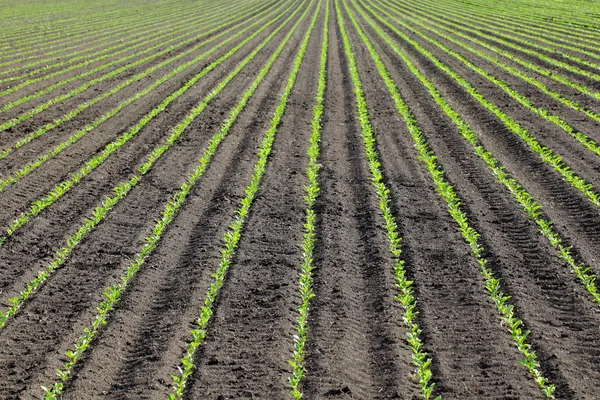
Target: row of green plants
(537,16)
(78,30)
(19,173)
(233,234)
(23,47)
(543,57)
(447,192)
(489,23)
(551,74)
(121,190)
(40,108)
(114,292)
(544,153)
(73,51)
(106,49)
(544,113)
(309,239)
(467,24)
(115,72)
(533,210)
(65,40)
(523,198)
(406,297)
(63,187)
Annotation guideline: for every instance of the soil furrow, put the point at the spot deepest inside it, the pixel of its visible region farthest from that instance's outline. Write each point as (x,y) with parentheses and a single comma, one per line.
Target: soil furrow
(258,333)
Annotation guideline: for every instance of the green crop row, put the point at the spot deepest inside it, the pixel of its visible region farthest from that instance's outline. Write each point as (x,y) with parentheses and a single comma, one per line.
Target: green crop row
(446,191)
(538,17)
(406,297)
(153,55)
(30,32)
(487,22)
(233,235)
(50,49)
(128,21)
(114,292)
(533,210)
(155,31)
(452,20)
(62,188)
(122,190)
(525,200)
(18,174)
(536,68)
(583,139)
(305,280)
(544,153)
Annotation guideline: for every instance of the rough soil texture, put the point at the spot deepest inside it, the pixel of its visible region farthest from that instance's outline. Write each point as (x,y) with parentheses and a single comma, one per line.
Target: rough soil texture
(357,346)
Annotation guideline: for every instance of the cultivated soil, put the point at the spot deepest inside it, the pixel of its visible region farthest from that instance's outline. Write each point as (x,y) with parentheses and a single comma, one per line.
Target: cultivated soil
(356,346)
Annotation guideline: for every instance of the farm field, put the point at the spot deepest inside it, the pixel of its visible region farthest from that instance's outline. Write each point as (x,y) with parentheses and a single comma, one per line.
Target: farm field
(285,199)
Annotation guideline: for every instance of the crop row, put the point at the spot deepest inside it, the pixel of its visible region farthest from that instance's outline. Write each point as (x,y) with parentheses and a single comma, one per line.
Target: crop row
(582,138)
(406,296)
(153,31)
(42,42)
(114,292)
(163,40)
(548,73)
(539,14)
(490,24)
(544,153)
(73,22)
(447,192)
(233,234)
(19,173)
(62,188)
(525,200)
(123,189)
(305,280)
(113,73)
(526,46)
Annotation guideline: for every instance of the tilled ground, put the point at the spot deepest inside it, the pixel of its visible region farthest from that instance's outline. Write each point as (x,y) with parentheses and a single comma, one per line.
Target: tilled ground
(357,340)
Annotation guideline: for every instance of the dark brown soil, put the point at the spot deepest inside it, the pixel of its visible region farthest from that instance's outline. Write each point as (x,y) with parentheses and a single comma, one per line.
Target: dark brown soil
(357,345)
